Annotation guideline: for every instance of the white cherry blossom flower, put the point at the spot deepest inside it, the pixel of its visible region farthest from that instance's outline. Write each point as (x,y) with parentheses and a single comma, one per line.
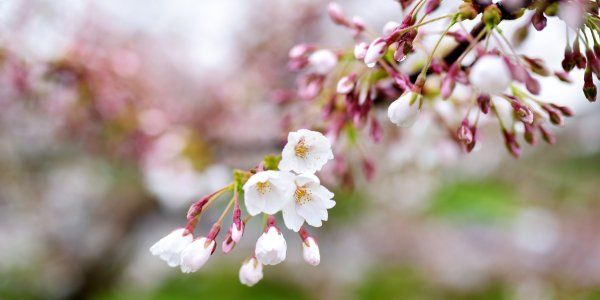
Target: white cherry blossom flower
(169,247)
(310,203)
(310,251)
(490,75)
(271,247)
(268,191)
(323,61)
(196,254)
(251,272)
(305,152)
(404,111)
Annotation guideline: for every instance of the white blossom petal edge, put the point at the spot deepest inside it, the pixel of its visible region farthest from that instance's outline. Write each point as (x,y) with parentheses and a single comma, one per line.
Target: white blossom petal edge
(310,203)
(402,112)
(169,247)
(251,272)
(490,75)
(305,152)
(196,254)
(271,248)
(268,191)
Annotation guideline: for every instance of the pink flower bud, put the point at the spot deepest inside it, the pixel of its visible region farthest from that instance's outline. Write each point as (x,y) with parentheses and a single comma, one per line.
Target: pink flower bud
(523,111)
(431,5)
(484,102)
(336,13)
(566,111)
(358,23)
(360,50)
(368,168)
(553,114)
(375,51)
(464,132)
(390,27)
(323,61)
(538,20)
(449,81)
(589,88)
(310,248)
(529,134)
(593,62)
(300,50)
(563,76)
(547,135)
(511,143)
(517,71)
(375,131)
(533,85)
(228,244)
(568,62)
(346,84)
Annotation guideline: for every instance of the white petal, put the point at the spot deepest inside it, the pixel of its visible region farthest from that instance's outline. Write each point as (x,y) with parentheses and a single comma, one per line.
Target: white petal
(292,220)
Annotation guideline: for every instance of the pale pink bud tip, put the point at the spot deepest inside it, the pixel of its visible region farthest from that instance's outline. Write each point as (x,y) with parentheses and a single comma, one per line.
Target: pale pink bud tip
(310,251)
(345,85)
(375,51)
(360,50)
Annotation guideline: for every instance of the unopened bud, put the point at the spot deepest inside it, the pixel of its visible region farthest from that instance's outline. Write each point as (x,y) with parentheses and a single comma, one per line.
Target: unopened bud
(358,23)
(538,20)
(529,134)
(563,76)
(464,133)
(336,13)
(467,11)
(523,112)
(589,88)
(547,135)
(300,50)
(568,62)
(553,114)
(346,84)
(431,5)
(532,85)
(511,143)
(592,61)
(360,50)
(580,60)
(492,16)
(484,102)
(566,111)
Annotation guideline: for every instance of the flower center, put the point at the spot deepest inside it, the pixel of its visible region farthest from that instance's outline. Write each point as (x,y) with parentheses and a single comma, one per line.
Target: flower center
(263,187)
(302,195)
(301,148)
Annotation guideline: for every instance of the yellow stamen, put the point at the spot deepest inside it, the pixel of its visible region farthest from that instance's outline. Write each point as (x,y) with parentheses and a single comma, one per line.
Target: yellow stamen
(263,187)
(302,195)
(301,148)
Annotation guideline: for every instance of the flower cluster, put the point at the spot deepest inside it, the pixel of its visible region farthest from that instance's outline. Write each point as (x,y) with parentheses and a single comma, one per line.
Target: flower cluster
(479,78)
(285,184)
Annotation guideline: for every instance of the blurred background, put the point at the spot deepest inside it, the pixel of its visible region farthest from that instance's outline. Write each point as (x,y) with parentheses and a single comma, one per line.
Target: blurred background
(116,115)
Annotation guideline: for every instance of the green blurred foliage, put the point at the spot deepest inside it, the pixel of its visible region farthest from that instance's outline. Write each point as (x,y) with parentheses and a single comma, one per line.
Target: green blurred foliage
(215,284)
(348,204)
(475,201)
(392,283)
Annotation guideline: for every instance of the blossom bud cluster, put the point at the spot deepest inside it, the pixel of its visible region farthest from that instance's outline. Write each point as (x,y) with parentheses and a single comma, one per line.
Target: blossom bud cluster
(290,187)
(494,73)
